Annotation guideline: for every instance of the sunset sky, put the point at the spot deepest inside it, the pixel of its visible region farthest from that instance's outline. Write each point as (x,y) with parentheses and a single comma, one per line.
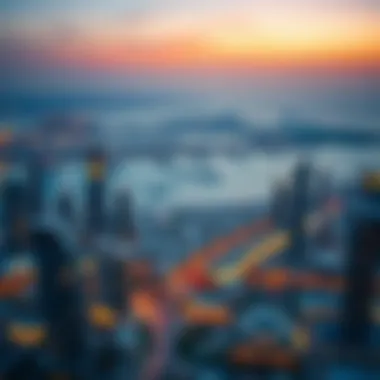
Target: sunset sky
(167,37)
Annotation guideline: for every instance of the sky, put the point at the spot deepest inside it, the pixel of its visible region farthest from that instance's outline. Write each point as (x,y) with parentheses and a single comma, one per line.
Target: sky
(173,39)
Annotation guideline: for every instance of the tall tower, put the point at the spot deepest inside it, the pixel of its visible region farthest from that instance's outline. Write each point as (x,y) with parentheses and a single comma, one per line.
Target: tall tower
(114,277)
(114,266)
(280,204)
(363,260)
(65,208)
(15,223)
(121,217)
(36,175)
(95,209)
(60,300)
(295,256)
(299,203)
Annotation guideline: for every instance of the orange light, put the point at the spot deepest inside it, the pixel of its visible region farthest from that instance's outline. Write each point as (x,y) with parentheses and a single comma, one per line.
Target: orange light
(102,316)
(197,313)
(276,280)
(301,338)
(26,335)
(6,137)
(97,170)
(259,356)
(144,306)
(309,281)
(16,284)
(371,182)
(214,250)
(283,360)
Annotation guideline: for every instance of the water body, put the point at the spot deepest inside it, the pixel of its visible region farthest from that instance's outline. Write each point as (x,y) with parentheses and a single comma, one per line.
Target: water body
(231,181)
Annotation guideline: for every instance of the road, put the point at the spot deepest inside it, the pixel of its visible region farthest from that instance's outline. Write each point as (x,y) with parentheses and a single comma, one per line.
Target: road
(275,244)
(200,260)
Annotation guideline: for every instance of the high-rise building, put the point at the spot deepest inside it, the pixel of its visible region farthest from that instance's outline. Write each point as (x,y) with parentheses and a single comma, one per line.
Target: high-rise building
(114,282)
(95,208)
(60,298)
(36,175)
(296,253)
(65,208)
(122,224)
(363,261)
(282,205)
(299,204)
(14,215)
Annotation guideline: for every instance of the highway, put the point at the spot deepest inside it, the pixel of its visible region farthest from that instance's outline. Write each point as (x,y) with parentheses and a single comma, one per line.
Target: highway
(200,260)
(275,244)
(267,243)
(202,270)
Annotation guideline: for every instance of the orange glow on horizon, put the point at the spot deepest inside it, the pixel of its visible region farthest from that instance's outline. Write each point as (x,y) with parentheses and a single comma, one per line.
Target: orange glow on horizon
(235,38)
(275,38)
(203,54)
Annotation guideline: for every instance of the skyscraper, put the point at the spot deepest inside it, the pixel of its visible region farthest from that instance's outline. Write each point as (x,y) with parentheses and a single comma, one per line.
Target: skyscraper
(363,260)
(296,253)
(299,204)
(114,282)
(14,215)
(95,208)
(65,208)
(60,298)
(122,224)
(36,175)
(280,205)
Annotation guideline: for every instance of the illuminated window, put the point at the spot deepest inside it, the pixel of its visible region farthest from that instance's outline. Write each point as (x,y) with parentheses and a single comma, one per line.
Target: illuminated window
(371,182)
(5,137)
(102,316)
(97,170)
(26,335)
(277,279)
(259,356)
